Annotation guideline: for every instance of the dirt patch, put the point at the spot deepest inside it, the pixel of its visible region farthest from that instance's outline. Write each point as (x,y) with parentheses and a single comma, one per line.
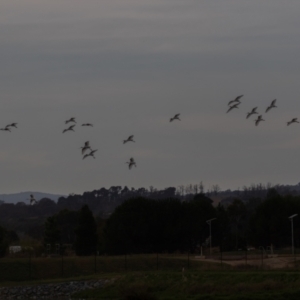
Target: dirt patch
(267,262)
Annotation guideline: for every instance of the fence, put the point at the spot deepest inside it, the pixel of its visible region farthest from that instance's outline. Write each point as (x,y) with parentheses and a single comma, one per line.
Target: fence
(29,267)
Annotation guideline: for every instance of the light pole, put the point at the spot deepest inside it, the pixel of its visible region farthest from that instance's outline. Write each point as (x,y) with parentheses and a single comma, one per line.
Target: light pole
(291,218)
(209,223)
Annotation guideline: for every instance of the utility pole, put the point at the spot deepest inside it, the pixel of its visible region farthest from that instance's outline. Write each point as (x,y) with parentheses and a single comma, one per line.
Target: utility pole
(292,225)
(210,236)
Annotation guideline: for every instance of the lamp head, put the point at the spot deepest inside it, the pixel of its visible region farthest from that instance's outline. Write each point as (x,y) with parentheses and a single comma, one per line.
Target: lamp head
(293,216)
(208,221)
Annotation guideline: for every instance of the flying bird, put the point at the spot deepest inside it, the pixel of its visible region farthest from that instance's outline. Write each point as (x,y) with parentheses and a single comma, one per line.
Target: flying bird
(129,139)
(237,99)
(70,120)
(32,200)
(272,105)
(86,155)
(259,119)
(252,112)
(87,124)
(294,120)
(232,107)
(12,125)
(71,128)
(90,154)
(131,163)
(6,128)
(93,152)
(85,147)
(176,117)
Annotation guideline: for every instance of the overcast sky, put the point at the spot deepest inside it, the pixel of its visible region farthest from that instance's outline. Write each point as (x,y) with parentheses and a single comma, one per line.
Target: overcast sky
(128,66)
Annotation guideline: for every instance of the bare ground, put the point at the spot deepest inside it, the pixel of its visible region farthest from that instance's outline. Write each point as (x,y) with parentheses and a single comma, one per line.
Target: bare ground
(279,262)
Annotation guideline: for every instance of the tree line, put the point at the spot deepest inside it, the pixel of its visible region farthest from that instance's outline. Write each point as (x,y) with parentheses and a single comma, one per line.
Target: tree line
(141,224)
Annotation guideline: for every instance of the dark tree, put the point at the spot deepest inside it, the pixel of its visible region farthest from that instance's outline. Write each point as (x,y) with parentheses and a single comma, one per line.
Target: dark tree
(52,232)
(142,225)
(86,232)
(237,213)
(3,242)
(132,227)
(270,223)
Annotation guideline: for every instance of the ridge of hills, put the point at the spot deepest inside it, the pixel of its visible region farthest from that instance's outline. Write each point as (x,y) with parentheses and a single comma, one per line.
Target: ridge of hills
(25,196)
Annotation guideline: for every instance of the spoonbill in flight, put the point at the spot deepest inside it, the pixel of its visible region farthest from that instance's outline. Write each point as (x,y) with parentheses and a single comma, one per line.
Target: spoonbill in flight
(237,99)
(176,117)
(129,139)
(259,119)
(272,105)
(252,112)
(131,163)
(294,120)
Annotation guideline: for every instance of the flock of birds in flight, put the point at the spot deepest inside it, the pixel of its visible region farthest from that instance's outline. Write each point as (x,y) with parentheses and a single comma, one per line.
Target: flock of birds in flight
(236,102)
(233,104)
(87,147)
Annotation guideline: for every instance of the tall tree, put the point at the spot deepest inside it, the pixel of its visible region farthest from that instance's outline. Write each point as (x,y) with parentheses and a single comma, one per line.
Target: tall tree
(86,232)
(237,213)
(51,232)
(3,241)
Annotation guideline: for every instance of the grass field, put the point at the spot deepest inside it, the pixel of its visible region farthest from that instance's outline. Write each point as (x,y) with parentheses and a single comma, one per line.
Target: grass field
(199,285)
(20,269)
(155,277)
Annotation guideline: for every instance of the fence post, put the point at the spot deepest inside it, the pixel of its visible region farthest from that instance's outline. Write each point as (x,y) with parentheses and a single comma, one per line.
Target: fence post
(96,260)
(221,256)
(62,263)
(295,249)
(30,265)
(125,260)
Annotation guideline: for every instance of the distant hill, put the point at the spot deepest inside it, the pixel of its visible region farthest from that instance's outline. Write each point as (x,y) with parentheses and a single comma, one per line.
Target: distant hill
(24,197)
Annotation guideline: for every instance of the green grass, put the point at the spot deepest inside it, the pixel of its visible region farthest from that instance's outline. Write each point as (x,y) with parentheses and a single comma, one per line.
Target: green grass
(193,285)
(21,269)
(152,277)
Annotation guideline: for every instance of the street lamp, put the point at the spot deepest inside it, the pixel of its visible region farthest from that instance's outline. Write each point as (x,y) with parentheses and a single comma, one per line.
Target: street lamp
(209,223)
(291,218)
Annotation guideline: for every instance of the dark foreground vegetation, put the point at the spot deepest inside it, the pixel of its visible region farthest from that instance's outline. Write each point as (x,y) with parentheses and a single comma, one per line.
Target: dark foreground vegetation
(199,286)
(143,277)
(22,269)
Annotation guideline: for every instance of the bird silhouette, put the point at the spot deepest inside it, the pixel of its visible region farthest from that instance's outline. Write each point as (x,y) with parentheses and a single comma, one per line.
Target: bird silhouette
(294,120)
(176,117)
(32,200)
(272,105)
(87,124)
(13,125)
(129,139)
(259,119)
(252,112)
(71,128)
(237,99)
(86,155)
(85,147)
(70,120)
(92,152)
(131,163)
(6,128)
(232,107)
